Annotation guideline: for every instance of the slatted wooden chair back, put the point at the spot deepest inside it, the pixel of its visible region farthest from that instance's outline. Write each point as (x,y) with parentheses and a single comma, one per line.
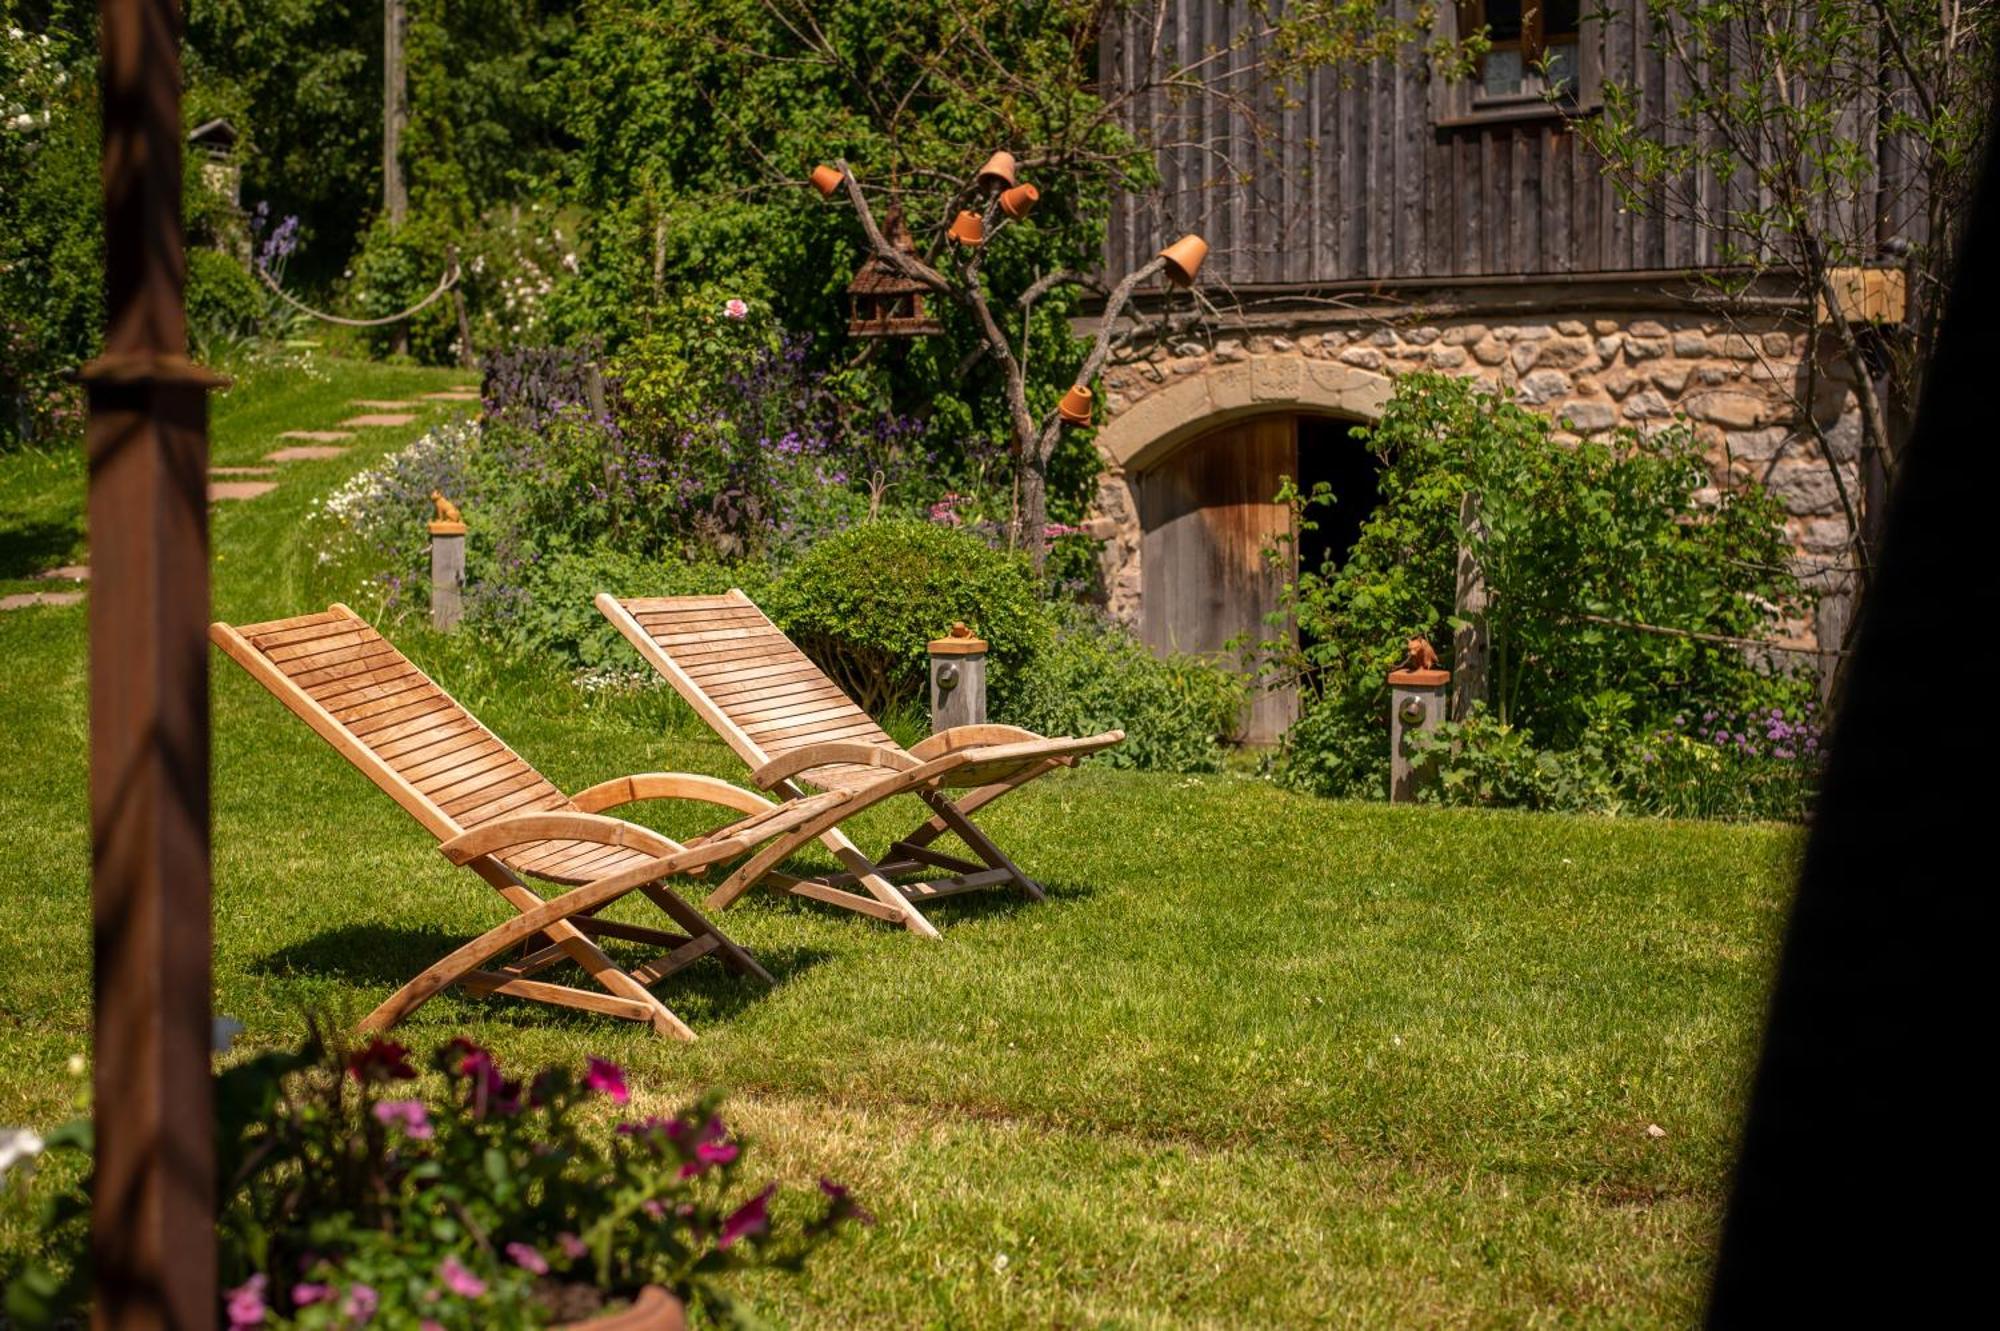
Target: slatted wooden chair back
(750,682)
(411,738)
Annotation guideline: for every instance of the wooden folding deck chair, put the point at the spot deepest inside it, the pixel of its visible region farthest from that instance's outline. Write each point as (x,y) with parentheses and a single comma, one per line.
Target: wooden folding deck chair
(496,814)
(795,727)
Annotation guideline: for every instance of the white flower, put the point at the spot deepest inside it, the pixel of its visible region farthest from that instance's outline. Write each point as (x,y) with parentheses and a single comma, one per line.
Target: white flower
(16,1145)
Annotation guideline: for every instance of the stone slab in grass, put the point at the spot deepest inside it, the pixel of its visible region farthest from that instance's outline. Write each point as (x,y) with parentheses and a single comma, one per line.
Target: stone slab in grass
(382,403)
(455,395)
(304,453)
(241,471)
(221,490)
(375,419)
(22,600)
(317,436)
(67,573)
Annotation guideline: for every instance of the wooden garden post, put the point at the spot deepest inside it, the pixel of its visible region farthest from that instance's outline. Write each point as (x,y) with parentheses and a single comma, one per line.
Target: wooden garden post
(153,1206)
(958,680)
(1416,702)
(447,574)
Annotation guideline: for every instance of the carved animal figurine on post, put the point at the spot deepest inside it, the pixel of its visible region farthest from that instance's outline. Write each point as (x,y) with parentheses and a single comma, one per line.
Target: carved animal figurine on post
(446,510)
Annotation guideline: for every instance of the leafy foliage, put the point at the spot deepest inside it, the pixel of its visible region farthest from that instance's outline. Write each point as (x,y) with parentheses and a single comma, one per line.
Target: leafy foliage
(1569,537)
(864,604)
(1094,676)
(347,1199)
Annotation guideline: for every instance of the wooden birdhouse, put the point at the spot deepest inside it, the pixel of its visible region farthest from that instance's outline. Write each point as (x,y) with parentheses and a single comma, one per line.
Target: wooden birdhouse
(883,302)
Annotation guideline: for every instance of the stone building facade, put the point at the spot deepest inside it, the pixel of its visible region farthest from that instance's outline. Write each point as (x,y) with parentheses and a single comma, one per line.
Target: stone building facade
(1738,382)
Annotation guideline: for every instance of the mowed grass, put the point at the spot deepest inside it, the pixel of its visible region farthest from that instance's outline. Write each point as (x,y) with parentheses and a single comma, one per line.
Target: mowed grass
(1260,1060)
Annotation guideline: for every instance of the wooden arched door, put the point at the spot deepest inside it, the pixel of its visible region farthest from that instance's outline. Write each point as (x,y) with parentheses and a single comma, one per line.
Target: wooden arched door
(1208,515)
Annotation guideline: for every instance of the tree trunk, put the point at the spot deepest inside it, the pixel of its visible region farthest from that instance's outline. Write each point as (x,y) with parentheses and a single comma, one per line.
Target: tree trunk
(395,114)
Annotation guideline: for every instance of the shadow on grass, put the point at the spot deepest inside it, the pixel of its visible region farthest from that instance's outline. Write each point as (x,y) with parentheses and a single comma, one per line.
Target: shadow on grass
(28,548)
(377,955)
(994,903)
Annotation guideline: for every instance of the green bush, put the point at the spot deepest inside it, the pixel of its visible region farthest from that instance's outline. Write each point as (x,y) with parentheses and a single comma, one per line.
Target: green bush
(864,603)
(224,302)
(555,611)
(1095,676)
(1627,530)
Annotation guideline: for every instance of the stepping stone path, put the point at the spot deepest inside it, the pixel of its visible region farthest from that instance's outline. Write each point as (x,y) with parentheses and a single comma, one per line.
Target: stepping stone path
(381,404)
(239,471)
(304,453)
(67,573)
(219,490)
(455,395)
(377,419)
(22,600)
(317,436)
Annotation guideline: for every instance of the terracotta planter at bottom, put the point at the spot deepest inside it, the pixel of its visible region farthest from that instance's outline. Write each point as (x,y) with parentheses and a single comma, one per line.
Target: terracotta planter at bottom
(653,1310)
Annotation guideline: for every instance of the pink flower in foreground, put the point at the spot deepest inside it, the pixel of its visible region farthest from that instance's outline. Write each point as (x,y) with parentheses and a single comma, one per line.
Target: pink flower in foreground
(708,1153)
(736,309)
(607,1078)
(246,1303)
(750,1220)
(360,1304)
(410,1115)
(572,1246)
(528,1259)
(459,1280)
(306,1293)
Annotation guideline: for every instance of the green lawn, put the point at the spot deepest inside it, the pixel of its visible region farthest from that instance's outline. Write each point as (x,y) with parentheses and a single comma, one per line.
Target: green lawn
(1260,1060)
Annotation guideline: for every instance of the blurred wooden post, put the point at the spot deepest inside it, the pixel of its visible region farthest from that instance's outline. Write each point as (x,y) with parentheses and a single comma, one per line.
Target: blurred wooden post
(1468,640)
(1416,702)
(447,575)
(958,680)
(153,1207)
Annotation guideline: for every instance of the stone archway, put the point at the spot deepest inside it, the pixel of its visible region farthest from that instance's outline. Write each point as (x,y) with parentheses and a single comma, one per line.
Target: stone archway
(1153,415)
(1191,468)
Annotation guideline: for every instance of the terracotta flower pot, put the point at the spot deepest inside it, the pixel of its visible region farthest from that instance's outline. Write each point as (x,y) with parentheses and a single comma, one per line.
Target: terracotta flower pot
(1075,406)
(1019,201)
(1184,258)
(653,1310)
(826,180)
(968,229)
(998,173)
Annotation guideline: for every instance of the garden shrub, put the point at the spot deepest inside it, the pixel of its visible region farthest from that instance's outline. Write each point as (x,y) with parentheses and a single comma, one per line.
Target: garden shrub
(864,604)
(1095,676)
(1628,529)
(224,302)
(556,614)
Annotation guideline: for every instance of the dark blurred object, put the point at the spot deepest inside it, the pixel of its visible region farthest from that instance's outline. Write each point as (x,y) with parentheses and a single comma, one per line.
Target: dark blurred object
(1866,1150)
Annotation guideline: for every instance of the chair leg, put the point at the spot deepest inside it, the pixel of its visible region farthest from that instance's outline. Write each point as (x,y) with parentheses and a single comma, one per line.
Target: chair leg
(982,845)
(732,953)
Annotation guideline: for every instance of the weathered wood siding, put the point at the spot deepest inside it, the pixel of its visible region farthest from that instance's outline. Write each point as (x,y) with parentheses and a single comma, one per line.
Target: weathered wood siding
(1359,183)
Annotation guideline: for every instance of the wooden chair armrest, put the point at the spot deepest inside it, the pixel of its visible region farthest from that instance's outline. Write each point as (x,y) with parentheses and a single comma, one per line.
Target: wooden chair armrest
(966,737)
(668,786)
(517,829)
(844,752)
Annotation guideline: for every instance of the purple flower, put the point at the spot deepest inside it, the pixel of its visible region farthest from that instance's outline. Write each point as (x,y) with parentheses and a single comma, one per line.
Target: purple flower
(411,1115)
(459,1280)
(528,1259)
(843,1204)
(360,1304)
(607,1079)
(245,1304)
(382,1060)
(750,1220)
(306,1293)
(572,1246)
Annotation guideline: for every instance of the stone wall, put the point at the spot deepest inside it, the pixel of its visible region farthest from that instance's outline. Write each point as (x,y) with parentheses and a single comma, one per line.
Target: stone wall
(1736,382)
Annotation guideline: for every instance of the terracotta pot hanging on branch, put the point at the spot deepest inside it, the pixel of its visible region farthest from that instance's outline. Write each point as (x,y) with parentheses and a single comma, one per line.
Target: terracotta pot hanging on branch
(998,173)
(1019,201)
(968,229)
(826,180)
(1075,407)
(1184,258)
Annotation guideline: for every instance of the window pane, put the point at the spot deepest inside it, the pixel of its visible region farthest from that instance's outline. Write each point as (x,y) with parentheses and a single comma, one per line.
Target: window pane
(1561,72)
(1500,73)
(1559,17)
(1504,18)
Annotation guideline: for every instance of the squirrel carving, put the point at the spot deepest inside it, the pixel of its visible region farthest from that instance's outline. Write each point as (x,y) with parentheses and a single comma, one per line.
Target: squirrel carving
(1419,655)
(446,510)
